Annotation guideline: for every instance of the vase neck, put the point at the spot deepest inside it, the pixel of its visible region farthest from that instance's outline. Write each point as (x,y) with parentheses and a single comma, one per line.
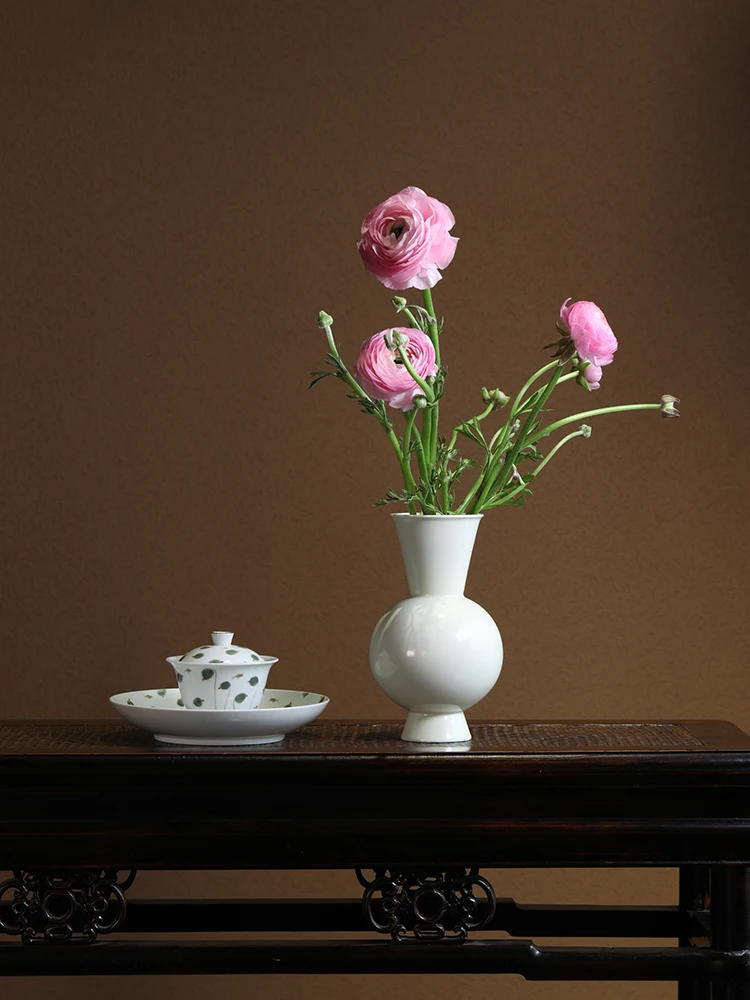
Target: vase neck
(437,550)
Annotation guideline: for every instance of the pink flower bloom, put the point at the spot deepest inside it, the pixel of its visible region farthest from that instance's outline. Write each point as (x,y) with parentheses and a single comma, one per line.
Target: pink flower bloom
(381,373)
(592,374)
(406,239)
(590,332)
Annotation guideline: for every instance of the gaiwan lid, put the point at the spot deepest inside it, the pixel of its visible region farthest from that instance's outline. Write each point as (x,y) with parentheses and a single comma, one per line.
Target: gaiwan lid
(222,650)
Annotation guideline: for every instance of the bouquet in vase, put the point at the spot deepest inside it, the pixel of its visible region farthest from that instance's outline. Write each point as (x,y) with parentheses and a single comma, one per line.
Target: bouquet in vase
(437,653)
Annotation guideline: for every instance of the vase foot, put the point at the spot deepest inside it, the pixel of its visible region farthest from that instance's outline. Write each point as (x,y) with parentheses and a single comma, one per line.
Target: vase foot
(435,727)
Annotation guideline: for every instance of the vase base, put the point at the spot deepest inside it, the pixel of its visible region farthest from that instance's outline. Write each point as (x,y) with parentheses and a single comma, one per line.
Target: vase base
(430,727)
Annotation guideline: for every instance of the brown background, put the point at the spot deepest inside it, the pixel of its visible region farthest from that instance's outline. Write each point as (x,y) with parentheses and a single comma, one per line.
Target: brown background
(183,186)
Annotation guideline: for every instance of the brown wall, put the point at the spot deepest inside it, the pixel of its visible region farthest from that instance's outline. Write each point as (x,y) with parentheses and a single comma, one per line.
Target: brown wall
(184,185)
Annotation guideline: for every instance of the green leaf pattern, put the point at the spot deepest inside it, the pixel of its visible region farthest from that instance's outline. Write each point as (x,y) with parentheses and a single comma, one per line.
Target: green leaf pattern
(231,699)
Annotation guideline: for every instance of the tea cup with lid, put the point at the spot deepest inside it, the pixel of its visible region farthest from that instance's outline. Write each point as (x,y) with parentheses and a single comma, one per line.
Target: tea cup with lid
(221,675)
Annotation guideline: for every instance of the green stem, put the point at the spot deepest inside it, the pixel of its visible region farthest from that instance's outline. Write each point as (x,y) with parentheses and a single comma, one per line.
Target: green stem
(508,462)
(590,413)
(501,434)
(350,380)
(391,434)
(527,385)
(427,432)
(564,378)
(558,446)
(432,328)
(411,317)
(409,482)
(434,335)
(519,402)
(461,509)
(492,459)
(426,389)
(421,459)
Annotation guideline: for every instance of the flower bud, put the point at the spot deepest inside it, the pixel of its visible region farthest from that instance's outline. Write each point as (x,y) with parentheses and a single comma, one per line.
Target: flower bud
(420,401)
(668,408)
(585,430)
(324,319)
(496,396)
(515,427)
(395,339)
(399,303)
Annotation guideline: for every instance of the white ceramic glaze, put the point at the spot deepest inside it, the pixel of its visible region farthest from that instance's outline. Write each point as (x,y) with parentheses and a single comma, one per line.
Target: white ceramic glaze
(222,650)
(162,713)
(222,675)
(436,653)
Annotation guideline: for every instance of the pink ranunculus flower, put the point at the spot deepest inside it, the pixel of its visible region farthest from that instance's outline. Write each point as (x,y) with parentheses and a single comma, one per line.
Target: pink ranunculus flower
(381,373)
(406,239)
(590,333)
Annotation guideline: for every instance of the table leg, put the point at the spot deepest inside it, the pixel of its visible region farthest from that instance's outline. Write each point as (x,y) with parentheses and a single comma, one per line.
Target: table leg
(694,895)
(730,922)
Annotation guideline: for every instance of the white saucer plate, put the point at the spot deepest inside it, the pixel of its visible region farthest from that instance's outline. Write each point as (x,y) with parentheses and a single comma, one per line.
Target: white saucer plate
(160,711)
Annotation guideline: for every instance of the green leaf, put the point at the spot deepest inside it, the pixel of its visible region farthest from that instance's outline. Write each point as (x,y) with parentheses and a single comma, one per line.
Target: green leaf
(232,652)
(179,678)
(199,656)
(207,673)
(129,702)
(161,692)
(225,685)
(198,702)
(253,681)
(254,657)
(240,698)
(180,702)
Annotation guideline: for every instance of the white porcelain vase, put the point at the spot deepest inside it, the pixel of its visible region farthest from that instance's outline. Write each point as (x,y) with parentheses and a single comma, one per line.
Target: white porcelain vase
(436,653)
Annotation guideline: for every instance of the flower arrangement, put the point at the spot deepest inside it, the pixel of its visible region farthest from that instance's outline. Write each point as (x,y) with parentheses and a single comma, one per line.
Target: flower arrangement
(405,242)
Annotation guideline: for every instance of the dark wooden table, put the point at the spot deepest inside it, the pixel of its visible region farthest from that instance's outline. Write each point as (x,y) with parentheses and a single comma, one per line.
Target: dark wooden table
(86,804)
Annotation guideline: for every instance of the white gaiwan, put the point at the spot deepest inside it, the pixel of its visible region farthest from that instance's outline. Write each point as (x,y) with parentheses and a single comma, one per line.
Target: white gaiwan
(222,676)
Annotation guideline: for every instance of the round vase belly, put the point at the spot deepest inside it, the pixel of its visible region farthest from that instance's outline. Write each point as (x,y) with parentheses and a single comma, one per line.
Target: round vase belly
(436,653)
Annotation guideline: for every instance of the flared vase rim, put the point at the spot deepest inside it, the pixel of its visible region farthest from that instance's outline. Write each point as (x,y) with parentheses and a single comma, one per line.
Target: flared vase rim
(441,516)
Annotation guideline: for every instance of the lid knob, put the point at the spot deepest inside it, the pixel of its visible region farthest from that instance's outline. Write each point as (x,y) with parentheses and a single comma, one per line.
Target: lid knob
(222,638)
